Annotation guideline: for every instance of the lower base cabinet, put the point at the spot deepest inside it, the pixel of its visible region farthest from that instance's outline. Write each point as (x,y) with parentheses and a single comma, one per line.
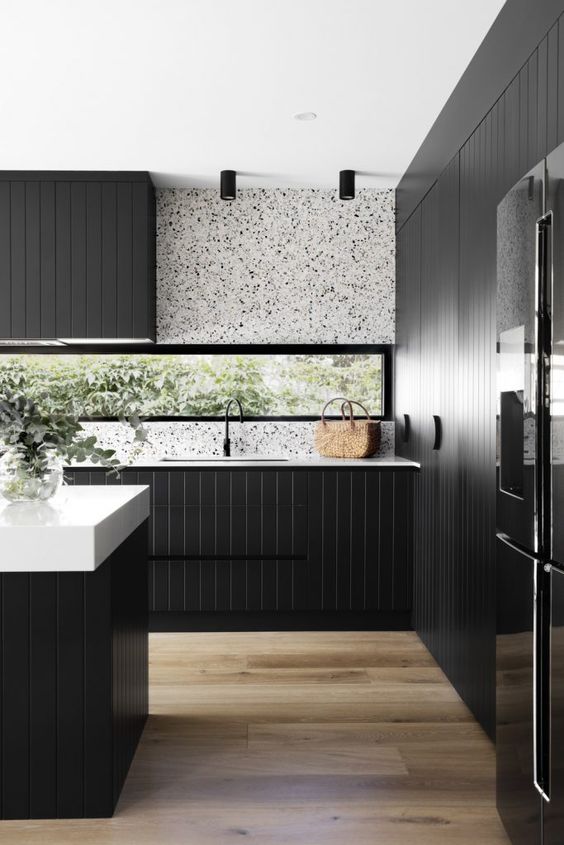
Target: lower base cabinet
(248,549)
(74,692)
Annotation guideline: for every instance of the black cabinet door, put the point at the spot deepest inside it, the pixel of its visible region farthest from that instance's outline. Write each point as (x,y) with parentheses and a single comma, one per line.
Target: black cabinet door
(437,578)
(555,205)
(77,255)
(554,811)
(518,803)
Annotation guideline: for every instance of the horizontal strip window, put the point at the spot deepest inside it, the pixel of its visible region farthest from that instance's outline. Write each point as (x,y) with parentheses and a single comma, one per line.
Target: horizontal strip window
(186,384)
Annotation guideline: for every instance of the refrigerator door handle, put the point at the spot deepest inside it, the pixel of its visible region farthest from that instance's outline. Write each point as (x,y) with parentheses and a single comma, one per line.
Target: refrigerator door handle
(540,704)
(517,547)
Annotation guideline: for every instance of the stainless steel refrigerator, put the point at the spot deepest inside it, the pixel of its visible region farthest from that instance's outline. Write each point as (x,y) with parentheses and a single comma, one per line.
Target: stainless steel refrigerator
(530,506)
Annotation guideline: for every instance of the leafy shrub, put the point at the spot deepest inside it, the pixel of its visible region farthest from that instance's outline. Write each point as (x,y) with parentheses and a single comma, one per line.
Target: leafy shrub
(148,385)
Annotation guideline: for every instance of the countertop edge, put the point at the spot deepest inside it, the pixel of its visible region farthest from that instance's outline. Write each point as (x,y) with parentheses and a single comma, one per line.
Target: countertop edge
(397,464)
(75,546)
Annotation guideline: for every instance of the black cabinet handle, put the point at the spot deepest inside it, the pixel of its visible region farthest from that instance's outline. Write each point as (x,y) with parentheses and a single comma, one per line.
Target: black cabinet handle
(406,428)
(438,432)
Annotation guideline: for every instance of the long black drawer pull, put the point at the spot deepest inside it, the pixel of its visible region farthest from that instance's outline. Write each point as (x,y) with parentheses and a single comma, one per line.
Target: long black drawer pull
(438,432)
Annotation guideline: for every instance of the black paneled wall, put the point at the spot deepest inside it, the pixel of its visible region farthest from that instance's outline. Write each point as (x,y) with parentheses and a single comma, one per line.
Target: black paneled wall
(446,266)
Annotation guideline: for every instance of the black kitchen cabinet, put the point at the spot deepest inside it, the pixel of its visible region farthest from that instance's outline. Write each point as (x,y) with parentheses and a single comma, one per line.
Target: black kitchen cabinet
(454,567)
(427,390)
(333,544)
(77,255)
(437,586)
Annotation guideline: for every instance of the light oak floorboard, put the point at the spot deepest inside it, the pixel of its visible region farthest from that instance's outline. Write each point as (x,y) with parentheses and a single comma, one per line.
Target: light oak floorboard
(311,738)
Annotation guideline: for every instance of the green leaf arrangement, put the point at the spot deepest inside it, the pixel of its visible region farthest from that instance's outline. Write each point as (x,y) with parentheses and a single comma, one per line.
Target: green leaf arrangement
(38,436)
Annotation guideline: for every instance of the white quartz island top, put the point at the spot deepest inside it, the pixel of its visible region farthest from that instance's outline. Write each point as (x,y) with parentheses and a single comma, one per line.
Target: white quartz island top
(75,531)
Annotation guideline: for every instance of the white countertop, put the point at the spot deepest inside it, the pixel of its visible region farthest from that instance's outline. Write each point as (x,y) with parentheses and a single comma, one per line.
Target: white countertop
(240,461)
(75,531)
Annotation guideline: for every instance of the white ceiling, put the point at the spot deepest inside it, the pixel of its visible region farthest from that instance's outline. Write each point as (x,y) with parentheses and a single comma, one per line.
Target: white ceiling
(185,88)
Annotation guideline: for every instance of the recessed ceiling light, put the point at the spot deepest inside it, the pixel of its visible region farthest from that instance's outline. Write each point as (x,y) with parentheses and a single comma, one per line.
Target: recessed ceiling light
(305,115)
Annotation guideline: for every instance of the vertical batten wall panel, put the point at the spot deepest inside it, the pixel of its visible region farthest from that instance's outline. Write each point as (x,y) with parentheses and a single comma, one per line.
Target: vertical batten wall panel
(42,695)
(15,708)
(93,259)
(109,259)
(48,257)
(63,258)
(17,255)
(523,119)
(5,261)
(542,98)
(124,261)
(32,260)
(70,695)
(552,89)
(532,121)
(78,258)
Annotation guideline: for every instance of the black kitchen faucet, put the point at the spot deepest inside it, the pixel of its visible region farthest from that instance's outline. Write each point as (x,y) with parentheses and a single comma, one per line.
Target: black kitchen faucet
(227,441)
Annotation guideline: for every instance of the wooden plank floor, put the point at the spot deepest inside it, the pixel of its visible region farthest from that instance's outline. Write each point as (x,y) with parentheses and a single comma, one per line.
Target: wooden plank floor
(306,738)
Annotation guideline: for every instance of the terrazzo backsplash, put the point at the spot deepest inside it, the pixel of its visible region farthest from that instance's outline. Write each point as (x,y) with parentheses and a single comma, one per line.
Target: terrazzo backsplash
(275,439)
(275,266)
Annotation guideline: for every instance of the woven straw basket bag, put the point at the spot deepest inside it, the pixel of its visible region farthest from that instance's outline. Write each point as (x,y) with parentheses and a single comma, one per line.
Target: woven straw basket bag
(347,438)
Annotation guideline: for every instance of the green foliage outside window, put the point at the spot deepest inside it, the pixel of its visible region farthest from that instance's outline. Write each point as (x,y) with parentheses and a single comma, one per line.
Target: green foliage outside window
(192,385)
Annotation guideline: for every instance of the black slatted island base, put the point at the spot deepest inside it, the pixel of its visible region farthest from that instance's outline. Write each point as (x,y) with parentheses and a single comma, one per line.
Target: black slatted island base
(73,654)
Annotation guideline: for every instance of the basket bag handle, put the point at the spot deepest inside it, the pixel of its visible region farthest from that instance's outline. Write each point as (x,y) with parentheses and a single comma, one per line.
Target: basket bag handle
(344,402)
(353,402)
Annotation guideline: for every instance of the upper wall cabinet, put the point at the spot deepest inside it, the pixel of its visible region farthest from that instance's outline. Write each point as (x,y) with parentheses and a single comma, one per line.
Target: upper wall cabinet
(77,255)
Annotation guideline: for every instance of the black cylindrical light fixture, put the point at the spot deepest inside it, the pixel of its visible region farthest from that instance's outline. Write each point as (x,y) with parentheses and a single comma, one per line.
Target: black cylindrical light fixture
(228,185)
(346,184)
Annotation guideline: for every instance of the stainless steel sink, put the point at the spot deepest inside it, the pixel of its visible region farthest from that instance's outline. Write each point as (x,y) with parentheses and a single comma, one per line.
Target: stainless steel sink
(242,459)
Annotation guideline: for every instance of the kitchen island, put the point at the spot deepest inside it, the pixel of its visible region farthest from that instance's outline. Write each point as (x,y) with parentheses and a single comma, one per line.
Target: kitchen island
(73,650)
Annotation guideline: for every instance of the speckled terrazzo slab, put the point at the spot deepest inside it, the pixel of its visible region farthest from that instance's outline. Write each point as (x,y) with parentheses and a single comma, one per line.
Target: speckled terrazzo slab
(275,266)
(280,439)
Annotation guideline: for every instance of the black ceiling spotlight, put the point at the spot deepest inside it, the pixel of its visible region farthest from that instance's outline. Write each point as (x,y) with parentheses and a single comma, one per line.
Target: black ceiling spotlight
(228,185)
(346,184)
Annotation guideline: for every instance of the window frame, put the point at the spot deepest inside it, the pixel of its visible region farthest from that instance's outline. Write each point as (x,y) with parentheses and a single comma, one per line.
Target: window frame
(383,349)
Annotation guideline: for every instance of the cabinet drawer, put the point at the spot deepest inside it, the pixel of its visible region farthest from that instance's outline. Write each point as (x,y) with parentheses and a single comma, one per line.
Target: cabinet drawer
(234,533)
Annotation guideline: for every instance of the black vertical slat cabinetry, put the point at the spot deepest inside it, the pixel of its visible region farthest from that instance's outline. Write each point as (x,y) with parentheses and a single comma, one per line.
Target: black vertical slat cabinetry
(74,692)
(437,499)
(446,286)
(329,541)
(77,255)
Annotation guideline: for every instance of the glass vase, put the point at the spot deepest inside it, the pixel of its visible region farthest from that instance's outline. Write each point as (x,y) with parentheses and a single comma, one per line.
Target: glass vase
(21,481)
